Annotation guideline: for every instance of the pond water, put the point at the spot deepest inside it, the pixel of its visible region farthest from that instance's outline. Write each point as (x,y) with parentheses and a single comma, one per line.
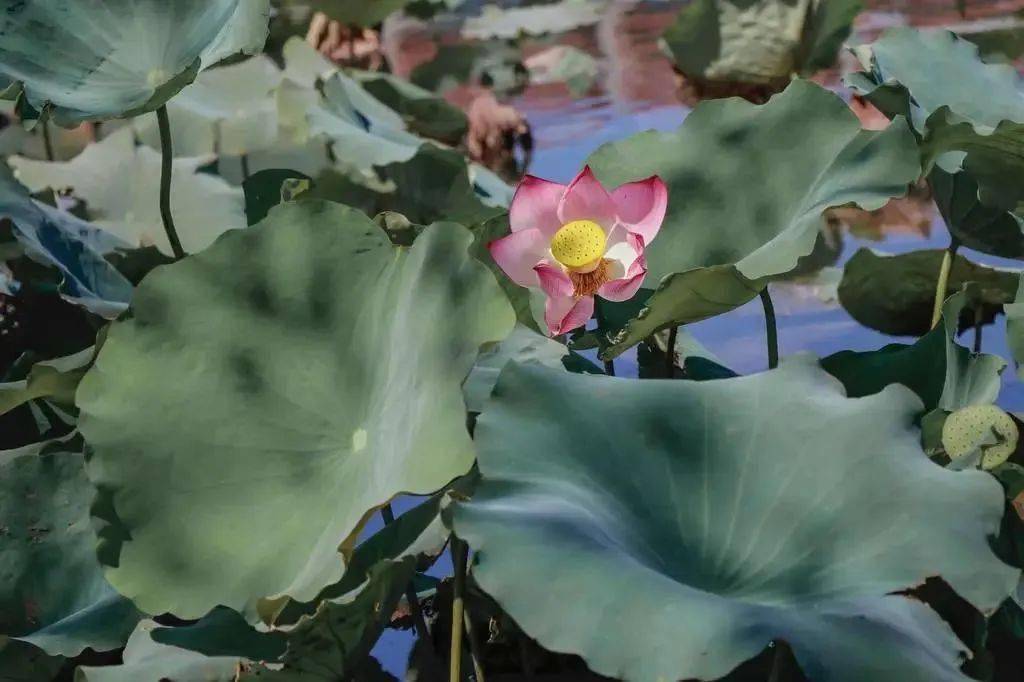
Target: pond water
(636,91)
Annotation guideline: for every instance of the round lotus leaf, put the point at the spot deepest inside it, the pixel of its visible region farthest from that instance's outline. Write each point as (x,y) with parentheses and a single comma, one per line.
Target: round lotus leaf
(970,114)
(980,427)
(895,294)
(270,392)
(711,518)
(88,61)
(53,593)
(795,157)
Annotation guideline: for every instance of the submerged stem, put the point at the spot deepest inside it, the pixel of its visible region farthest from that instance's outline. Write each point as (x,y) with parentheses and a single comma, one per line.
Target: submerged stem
(771,329)
(166,167)
(943,281)
(460,555)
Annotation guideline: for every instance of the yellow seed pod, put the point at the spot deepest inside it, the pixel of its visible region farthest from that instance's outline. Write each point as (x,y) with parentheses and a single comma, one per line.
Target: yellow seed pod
(578,243)
(965,429)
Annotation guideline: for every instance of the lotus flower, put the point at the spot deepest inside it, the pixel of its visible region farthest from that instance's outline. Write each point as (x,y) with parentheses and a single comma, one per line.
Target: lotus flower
(577,240)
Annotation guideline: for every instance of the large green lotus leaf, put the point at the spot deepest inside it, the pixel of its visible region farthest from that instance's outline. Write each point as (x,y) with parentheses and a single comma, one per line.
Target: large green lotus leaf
(976,226)
(796,156)
(727,514)
(229,110)
(981,114)
(20,662)
(91,61)
(335,641)
(764,41)
(145,659)
(120,184)
(522,345)
(940,371)
(53,594)
(895,294)
(305,371)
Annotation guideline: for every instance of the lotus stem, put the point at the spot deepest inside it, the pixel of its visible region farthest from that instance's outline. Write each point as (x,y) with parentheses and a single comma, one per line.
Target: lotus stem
(47,141)
(943,282)
(166,167)
(978,324)
(609,365)
(460,555)
(244,159)
(771,329)
(776,671)
(388,514)
(670,353)
(474,648)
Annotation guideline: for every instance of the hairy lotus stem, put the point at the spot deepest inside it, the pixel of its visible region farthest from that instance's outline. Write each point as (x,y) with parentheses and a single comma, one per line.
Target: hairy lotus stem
(978,324)
(460,555)
(670,352)
(609,365)
(388,514)
(771,330)
(166,166)
(943,283)
(47,141)
(474,648)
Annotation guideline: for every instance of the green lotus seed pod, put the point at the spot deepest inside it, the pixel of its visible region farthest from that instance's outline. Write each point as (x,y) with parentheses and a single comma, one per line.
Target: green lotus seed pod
(984,426)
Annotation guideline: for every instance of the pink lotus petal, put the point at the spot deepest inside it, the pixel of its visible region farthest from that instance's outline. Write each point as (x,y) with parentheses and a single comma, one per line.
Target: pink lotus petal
(554,281)
(640,262)
(586,199)
(563,314)
(518,253)
(623,250)
(626,288)
(641,206)
(535,205)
